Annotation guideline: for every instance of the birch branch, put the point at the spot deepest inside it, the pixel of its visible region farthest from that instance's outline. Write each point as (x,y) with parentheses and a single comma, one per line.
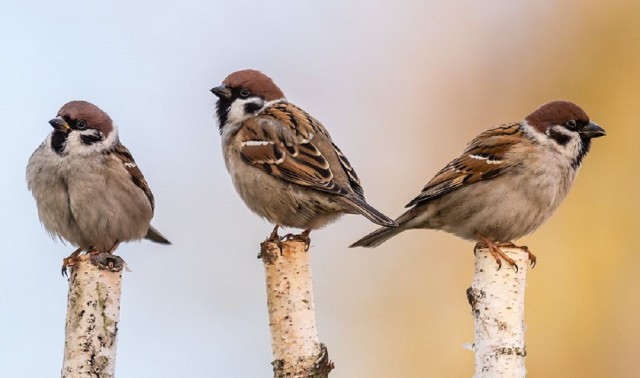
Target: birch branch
(93,312)
(497,300)
(297,351)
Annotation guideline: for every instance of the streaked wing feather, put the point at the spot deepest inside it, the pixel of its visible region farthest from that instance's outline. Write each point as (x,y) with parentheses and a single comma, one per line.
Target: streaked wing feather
(354,181)
(481,160)
(123,154)
(280,141)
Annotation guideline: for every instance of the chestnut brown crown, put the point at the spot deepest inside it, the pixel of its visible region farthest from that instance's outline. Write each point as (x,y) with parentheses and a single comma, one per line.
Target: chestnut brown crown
(93,116)
(556,113)
(255,81)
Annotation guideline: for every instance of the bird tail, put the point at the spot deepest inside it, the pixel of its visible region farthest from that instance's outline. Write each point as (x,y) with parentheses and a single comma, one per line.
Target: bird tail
(372,214)
(155,236)
(378,237)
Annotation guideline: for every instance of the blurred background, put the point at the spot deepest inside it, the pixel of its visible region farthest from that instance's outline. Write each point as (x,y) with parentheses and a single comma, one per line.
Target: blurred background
(420,78)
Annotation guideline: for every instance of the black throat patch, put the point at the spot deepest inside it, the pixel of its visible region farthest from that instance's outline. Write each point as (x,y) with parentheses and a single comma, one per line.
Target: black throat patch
(222,110)
(58,141)
(586,144)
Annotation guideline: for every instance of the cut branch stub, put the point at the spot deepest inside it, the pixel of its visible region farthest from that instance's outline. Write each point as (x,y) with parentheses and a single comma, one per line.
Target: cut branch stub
(297,351)
(93,313)
(497,303)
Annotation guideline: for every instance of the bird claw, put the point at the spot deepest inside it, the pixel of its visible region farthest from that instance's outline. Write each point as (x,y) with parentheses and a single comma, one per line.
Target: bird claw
(303,237)
(496,252)
(274,237)
(67,263)
(70,261)
(532,258)
(499,256)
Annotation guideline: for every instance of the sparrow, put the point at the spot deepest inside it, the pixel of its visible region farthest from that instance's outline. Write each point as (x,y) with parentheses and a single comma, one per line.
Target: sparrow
(507,182)
(88,189)
(282,161)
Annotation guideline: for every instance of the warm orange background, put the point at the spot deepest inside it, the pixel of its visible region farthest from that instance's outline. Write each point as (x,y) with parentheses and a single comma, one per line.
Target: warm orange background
(407,312)
(402,87)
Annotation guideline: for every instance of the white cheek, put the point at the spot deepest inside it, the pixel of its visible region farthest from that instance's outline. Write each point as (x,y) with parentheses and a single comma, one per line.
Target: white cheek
(568,152)
(237,109)
(74,145)
(572,149)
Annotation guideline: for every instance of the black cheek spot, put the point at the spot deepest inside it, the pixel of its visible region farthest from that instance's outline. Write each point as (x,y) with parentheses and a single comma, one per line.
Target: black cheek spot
(561,139)
(91,139)
(251,107)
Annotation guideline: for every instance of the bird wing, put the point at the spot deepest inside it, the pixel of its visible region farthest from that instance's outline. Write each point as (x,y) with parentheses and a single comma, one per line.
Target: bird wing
(483,159)
(124,156)
(286,142)
(354,180)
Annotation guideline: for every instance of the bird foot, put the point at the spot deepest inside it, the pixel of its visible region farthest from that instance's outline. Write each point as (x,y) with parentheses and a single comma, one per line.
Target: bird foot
(70,261)
(498,255)
(104,260)
(495,251)
(274,237)
(303,237)
(532,258)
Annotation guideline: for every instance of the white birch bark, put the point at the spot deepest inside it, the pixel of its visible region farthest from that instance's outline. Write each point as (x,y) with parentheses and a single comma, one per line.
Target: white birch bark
(93,313)
(497,301)
(297,351)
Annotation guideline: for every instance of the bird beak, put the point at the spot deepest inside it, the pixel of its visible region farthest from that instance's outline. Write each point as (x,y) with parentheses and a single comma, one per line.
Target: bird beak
(593,131)
(60,124)
(222,92)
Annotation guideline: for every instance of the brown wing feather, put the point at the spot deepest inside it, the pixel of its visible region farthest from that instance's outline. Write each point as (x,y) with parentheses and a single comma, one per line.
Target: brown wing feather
(123,154)
(282,142)
(354,180)
(481,160)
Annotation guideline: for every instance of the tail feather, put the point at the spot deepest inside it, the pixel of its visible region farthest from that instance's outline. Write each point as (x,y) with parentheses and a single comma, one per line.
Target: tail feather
(155,236)
(378,237)
(372,214)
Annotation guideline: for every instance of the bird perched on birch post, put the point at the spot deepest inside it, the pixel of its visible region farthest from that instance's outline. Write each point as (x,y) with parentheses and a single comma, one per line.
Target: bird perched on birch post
(282,161)
(88,189)
(507,182)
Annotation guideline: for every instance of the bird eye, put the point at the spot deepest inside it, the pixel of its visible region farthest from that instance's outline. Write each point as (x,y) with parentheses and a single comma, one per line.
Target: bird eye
(81,124)
(571,124)
(244,93)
